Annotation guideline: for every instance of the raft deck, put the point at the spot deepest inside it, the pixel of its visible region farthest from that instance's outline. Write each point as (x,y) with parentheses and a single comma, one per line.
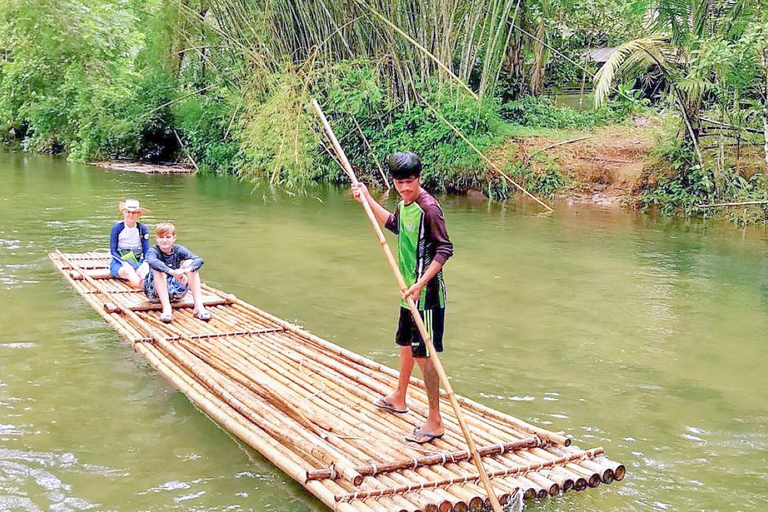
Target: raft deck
(307,406)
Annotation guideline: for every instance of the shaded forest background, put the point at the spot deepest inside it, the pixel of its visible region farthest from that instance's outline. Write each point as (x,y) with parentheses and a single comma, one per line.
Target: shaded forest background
(227,83)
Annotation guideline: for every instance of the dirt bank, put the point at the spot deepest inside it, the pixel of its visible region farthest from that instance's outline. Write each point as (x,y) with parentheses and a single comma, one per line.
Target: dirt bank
(604,166)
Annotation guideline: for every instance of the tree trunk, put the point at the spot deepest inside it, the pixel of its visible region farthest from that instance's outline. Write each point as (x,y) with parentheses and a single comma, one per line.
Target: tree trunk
(537,73)
(203,51)
(764,65)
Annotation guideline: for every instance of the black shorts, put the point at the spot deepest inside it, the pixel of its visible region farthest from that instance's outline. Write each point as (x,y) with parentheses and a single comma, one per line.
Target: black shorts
(408,333)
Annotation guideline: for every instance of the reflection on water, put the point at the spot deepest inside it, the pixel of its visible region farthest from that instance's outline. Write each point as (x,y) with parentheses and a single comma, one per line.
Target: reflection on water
(640,335)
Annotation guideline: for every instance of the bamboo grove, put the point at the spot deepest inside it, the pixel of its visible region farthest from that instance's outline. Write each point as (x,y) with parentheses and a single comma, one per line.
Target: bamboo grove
(229,82)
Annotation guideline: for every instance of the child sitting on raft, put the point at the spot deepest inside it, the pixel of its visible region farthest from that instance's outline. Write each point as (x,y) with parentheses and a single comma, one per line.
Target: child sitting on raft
(174,271)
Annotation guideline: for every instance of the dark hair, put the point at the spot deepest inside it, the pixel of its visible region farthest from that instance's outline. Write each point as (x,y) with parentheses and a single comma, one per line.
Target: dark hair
(404,166)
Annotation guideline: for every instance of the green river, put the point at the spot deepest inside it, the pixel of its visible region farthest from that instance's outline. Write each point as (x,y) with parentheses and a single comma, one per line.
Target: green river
(642,335)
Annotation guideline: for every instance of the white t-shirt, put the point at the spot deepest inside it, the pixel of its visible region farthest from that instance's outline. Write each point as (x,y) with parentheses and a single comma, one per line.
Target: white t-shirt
(129,239)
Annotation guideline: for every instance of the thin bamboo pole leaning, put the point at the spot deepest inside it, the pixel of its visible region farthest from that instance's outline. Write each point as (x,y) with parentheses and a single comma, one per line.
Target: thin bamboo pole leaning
(415,313)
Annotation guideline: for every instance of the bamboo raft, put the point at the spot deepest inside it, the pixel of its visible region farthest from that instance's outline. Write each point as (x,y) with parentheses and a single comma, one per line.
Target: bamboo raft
(307,406)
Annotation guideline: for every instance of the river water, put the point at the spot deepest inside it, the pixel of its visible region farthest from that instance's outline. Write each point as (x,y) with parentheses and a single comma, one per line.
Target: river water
(645,336)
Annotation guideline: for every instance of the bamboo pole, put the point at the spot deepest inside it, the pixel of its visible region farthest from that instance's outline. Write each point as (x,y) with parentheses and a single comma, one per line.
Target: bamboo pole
(416,316)
(730,204)
(428,460)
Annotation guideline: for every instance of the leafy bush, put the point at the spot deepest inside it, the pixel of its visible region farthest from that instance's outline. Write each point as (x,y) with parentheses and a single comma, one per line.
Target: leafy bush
(274,134)
(541,112)
(690,185)
(205,122)
(371,128)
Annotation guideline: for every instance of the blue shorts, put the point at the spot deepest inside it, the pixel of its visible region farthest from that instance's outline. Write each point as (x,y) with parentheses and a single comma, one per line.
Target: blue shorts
(176,289)
(114,268)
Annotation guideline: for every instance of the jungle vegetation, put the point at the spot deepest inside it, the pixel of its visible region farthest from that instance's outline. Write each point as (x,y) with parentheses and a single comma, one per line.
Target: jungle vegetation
(227,83)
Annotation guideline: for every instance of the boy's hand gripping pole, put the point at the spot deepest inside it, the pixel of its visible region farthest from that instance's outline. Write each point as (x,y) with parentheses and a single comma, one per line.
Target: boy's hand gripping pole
(414,312)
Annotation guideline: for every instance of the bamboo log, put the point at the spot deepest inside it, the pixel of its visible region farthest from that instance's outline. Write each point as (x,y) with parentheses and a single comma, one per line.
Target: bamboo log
(583,459)
(427,460)
(619,470)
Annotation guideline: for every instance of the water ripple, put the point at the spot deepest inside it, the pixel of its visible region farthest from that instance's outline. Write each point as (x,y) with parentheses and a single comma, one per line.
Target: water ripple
(20,470)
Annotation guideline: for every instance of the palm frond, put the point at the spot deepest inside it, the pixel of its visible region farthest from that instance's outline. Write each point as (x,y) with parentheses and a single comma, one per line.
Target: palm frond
(632,55)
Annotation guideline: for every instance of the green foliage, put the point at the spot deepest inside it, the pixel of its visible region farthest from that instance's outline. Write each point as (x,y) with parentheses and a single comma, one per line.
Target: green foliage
(545,182)
(541,112)
(65,69)
(687,186)
(372,128)
(275,136)
(690,185)
(205,122)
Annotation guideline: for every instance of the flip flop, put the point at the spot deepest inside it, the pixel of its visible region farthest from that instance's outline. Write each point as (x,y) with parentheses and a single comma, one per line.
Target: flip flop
(166,318)
(382,403)
(416,434)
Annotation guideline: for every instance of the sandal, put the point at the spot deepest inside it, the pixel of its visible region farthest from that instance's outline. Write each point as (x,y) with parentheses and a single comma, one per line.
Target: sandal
(166,318)
(203,315)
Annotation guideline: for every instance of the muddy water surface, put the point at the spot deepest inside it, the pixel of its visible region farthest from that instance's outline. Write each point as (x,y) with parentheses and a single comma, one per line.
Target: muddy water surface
(644,336)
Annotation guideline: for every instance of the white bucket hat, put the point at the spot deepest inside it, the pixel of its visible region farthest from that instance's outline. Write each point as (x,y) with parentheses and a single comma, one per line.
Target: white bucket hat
(132,205)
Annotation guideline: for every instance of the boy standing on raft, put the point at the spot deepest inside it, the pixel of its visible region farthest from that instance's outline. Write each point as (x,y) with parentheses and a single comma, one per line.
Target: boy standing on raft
(423,248)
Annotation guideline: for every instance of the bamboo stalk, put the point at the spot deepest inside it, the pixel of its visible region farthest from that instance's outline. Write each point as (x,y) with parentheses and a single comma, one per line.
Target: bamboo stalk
(415,313)
(742,203)
(428,460)
(619,470)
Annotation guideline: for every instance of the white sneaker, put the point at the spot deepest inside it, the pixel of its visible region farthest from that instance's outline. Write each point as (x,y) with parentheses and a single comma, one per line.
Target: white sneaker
(143,270)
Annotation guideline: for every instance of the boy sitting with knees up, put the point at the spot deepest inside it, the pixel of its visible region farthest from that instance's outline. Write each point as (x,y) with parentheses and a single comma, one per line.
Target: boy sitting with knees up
(174,271)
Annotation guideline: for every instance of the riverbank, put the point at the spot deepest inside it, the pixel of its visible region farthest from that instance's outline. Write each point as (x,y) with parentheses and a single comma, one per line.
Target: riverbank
(604,167)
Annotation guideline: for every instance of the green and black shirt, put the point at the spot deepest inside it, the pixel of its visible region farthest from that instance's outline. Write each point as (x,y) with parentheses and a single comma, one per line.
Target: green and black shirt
(421,238)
